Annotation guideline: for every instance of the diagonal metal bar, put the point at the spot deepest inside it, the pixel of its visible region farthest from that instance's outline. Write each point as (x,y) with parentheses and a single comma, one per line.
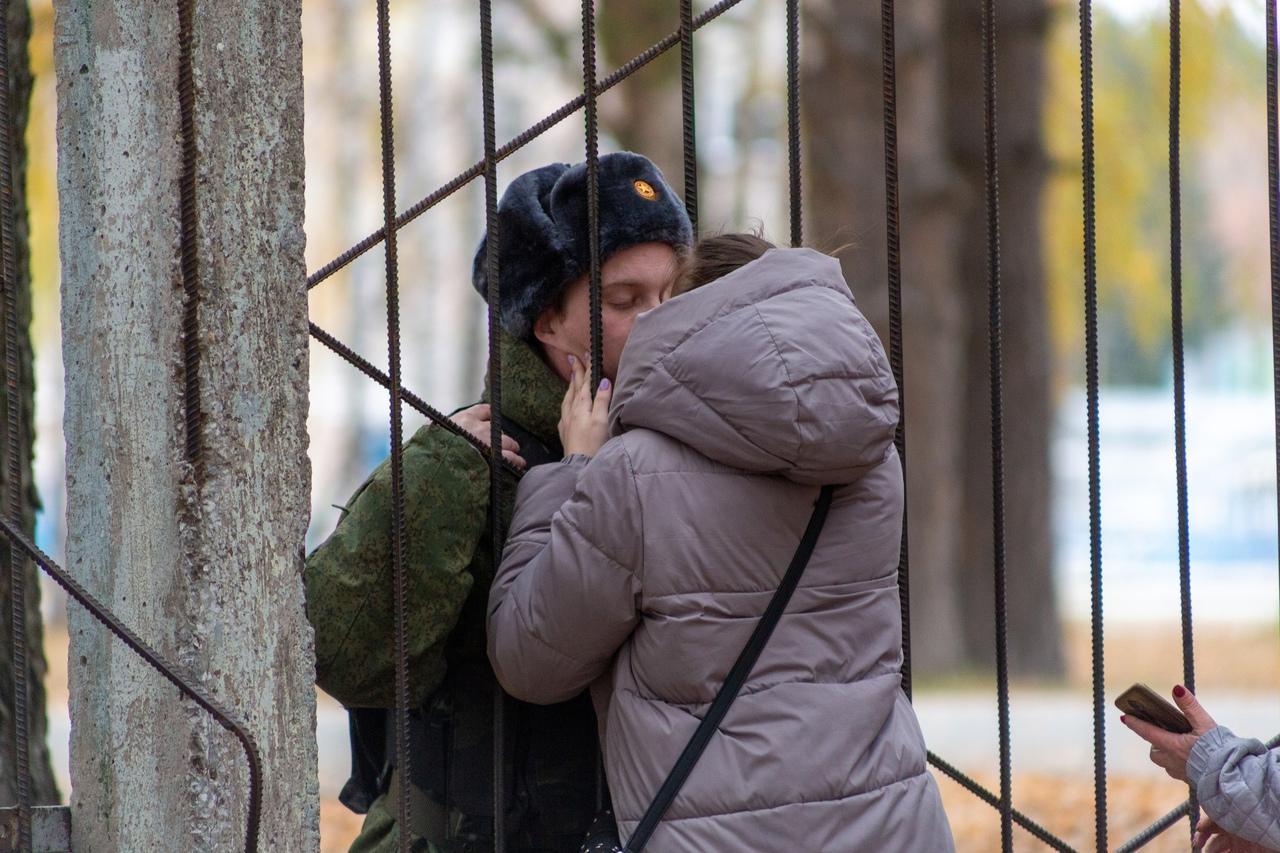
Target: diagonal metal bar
(1153,831)
(532,133)
(185,683)
(981,792)
(415,402)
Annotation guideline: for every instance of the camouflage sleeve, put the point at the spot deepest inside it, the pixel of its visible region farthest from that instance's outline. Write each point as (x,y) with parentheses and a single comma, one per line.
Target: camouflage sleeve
(348,578)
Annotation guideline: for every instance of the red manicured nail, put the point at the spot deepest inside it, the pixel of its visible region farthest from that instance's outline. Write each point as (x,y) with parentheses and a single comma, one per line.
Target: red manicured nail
(1124,718)
(1179,691)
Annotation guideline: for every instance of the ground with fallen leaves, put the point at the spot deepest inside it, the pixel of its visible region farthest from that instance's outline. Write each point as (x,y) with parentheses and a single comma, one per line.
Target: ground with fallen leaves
(1228,658)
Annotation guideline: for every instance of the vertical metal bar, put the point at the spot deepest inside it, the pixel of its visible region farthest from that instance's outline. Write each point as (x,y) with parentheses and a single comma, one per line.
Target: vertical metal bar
(194,413)
(403,768)
(592,142)
(493,298)
(13,470)
(997,414)
(1273,198)
(1179,381)
(593,187)
(1091,381)
(893,246)
(690,142)
(793,121)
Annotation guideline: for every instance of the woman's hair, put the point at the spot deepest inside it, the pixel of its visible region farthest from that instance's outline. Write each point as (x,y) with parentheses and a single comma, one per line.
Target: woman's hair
(715,257)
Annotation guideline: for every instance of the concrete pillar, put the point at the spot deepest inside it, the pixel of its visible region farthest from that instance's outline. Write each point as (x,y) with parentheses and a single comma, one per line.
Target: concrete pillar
(206,569)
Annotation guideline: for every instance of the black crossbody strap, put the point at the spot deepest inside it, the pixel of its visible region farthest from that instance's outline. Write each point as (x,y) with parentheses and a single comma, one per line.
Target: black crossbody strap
(736,678)
(532,449)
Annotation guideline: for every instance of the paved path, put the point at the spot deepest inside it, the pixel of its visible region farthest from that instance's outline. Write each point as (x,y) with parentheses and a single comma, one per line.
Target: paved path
(1052,733)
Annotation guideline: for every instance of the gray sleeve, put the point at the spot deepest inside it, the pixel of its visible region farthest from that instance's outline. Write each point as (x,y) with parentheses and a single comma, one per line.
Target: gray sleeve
(1237,781)
(566,595)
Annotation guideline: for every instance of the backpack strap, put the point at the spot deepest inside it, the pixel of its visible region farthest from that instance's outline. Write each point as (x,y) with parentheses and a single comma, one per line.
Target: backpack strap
(736,678)
(370,770)
(534,451)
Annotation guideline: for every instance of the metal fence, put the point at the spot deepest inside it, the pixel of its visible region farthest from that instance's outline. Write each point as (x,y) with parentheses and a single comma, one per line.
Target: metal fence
(22,549)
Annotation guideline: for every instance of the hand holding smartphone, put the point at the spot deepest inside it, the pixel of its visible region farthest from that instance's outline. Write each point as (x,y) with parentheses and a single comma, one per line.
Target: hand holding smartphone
(1144,703)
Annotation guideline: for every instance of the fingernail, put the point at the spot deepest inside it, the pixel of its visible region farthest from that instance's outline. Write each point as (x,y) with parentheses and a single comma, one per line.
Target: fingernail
(1124,718)
(1179,691)
(572,361)
(604,384)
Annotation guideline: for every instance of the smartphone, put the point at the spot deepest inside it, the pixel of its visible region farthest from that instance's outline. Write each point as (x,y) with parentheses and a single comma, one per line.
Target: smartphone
(1144,703)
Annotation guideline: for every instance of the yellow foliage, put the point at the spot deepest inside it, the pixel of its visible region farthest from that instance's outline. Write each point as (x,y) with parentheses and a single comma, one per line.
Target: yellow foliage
(42,178)
(1131,113)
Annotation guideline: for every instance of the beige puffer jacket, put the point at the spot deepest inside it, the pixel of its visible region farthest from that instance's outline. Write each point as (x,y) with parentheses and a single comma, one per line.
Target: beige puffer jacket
(643,571)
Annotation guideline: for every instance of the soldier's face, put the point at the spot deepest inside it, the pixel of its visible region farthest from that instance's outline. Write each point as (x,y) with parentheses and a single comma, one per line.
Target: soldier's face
(632,281)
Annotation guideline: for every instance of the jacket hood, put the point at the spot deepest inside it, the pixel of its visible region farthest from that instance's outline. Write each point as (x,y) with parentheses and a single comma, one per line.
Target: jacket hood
(771,369)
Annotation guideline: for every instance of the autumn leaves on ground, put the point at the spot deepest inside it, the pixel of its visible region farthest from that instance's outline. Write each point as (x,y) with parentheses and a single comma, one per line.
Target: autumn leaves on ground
(1229,659)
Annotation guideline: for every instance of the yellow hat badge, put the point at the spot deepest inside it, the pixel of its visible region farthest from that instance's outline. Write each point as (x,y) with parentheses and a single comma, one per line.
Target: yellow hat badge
(645,190)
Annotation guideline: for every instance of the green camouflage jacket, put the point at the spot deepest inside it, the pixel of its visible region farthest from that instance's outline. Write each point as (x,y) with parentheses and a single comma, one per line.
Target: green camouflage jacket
(446,507)
(449,566)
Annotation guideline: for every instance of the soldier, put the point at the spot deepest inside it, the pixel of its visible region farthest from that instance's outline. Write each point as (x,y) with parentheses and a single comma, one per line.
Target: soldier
(551,751)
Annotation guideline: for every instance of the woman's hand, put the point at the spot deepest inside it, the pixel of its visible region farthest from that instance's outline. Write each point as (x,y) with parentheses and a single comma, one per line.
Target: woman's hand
(1168,750)
(1219,841)
(584,423)
(477,421)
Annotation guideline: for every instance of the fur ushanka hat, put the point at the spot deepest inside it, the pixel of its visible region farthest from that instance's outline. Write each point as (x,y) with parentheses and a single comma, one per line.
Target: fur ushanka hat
(542,221)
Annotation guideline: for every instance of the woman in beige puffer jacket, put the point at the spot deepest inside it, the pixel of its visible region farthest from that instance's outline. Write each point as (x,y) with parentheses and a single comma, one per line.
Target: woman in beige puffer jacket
(642,571)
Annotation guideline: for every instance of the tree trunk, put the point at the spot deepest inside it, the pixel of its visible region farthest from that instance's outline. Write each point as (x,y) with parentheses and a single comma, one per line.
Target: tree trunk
(944,299)
(207,569)
(1033,632)
(844,163)
(643,112)
(43,787)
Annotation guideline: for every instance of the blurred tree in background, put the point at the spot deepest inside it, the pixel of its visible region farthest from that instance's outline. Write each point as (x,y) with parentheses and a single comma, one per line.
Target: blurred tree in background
(1223,189)
(43,788)
(944,235)
(742,169)
(940,127)
(944,256)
